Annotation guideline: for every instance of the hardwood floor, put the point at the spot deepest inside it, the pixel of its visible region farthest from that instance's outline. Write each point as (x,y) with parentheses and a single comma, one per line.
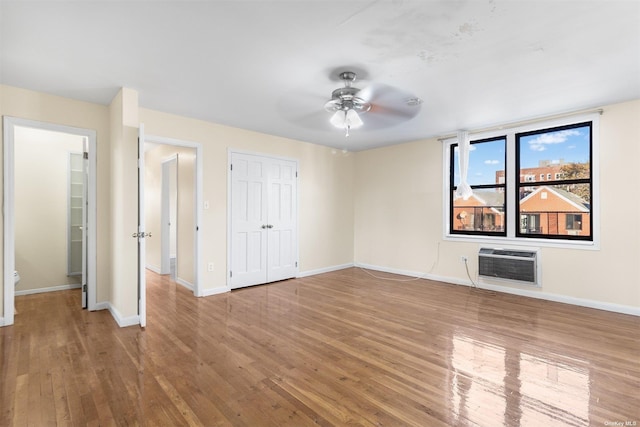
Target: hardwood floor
(337,349)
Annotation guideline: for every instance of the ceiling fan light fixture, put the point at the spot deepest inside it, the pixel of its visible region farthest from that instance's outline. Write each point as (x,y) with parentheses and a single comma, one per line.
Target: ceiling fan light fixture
(345,104)
(346,119)
(352,119)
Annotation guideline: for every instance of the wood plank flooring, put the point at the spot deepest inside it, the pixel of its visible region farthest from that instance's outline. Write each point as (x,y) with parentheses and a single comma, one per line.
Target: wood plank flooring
(337,349)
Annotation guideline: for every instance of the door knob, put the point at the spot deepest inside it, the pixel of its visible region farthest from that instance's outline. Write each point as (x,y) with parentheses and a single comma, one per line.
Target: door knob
(141,235)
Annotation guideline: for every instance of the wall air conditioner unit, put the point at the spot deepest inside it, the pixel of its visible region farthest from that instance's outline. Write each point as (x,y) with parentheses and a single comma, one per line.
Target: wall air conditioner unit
(513,265)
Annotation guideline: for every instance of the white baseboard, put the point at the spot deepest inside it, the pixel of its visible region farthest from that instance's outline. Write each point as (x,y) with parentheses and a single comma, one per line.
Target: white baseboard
(153,268)
(215,291)
(49,289)
(184,283)
(101,306)
(582,302)
(324,270)
(123,321)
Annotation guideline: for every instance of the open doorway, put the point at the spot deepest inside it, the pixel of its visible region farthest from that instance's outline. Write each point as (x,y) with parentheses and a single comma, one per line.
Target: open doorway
(172,183)
(50,200)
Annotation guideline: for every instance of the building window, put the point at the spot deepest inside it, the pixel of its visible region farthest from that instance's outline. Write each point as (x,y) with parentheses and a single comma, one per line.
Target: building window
(573,221)
(509,202)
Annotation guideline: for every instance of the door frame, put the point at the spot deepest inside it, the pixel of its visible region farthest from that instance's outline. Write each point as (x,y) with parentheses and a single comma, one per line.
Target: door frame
(9,125)
(230,153)
(197,286)
(165,215)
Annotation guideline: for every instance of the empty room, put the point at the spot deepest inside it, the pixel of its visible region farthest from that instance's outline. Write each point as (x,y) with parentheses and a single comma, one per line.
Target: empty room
(295,213)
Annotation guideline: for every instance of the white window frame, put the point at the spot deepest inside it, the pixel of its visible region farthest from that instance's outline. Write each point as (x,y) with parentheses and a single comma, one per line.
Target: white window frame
(510,196)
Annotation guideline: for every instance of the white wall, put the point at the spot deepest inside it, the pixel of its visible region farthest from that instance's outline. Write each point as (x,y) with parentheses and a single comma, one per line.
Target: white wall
(399,219)
(41,209)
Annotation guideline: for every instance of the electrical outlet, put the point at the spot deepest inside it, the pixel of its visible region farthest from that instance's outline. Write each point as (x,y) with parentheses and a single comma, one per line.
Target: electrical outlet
(210,266)
(464,258)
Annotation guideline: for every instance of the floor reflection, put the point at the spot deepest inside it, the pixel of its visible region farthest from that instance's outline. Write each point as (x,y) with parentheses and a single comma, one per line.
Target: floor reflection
(491,382)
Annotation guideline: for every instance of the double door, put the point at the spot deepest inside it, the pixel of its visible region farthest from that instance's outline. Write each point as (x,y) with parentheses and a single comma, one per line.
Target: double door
(263,200)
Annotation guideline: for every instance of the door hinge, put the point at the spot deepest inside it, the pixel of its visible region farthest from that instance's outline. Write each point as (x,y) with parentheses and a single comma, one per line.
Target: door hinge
(84,288)
(231,274)
(296,174)
(296,263)
(85,155)
(231,166)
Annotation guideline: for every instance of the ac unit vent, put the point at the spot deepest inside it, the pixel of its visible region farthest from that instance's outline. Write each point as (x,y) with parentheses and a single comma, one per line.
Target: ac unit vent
(509,264)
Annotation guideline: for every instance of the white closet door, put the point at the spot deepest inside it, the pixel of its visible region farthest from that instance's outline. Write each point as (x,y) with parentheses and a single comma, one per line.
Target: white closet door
(263,220)
(248,220)
(282,215)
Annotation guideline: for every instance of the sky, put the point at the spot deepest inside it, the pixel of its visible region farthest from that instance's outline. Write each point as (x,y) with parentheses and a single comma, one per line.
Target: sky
(570,145)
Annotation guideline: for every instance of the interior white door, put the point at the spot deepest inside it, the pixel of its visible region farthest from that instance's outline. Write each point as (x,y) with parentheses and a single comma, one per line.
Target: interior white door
(263,219)
(142,283)
(248,221)
(282,220)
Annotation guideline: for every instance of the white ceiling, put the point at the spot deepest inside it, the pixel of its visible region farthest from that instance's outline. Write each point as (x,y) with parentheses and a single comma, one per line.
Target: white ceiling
(269,66)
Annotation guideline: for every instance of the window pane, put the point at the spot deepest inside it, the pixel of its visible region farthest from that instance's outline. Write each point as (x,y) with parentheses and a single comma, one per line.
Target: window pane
(484,211)
(561,210)
(555,155)
(486,163)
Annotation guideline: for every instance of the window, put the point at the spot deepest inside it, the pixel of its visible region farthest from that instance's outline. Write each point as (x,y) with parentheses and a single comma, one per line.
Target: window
(483,213)
(567,149)
(508,202)
(573,221)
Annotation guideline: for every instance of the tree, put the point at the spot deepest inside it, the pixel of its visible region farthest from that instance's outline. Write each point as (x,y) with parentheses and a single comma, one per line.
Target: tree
(578,171)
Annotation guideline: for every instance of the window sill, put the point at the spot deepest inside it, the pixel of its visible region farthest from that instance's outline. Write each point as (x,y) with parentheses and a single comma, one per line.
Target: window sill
(512,241)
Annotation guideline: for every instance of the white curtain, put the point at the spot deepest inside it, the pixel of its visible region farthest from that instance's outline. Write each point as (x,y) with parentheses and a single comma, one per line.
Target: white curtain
(463,190)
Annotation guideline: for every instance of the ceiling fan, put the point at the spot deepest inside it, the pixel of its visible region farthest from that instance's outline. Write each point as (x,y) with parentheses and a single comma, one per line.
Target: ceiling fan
(376,105)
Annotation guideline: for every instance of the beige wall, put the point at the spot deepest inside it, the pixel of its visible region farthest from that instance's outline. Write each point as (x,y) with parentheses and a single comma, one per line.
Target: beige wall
(399,217)
(325,191)
(41,206)
(381,207)
(185,208)
(37,106)
(124,202)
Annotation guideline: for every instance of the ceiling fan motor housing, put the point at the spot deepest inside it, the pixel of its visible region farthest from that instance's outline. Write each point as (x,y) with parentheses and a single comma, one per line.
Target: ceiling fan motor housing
(345,98)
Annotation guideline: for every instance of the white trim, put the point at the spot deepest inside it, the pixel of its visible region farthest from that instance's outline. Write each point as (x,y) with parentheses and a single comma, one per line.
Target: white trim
(197,286)
(101,306)
(324,270)
(153,268)
(581,302)
(122,321)
(49,289)
(9,124)
(184,283)
(416,274)
(215,291)
(2,322)
(165,213)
